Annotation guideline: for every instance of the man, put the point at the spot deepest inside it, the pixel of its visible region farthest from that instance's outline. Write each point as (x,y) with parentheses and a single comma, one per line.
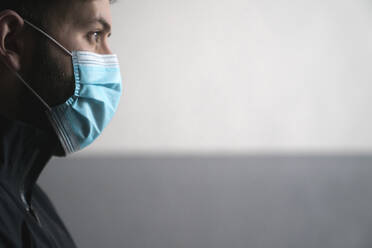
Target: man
(59,87)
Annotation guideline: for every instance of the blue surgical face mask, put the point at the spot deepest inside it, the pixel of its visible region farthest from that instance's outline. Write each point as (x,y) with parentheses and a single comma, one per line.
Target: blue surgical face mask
(82,118)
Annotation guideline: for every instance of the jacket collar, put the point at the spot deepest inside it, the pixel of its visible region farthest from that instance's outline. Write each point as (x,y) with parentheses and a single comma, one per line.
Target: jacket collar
(24,153)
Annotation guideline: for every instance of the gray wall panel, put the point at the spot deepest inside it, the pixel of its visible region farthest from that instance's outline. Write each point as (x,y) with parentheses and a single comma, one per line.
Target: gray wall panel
(214,202)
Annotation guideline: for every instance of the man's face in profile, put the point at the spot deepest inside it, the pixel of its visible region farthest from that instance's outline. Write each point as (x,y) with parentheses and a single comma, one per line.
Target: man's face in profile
(82,25)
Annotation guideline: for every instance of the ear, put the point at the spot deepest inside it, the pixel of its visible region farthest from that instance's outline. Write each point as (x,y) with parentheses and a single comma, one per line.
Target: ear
(11,40)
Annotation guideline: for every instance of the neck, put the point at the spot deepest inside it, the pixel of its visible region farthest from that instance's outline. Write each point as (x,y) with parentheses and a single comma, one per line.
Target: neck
(24,153)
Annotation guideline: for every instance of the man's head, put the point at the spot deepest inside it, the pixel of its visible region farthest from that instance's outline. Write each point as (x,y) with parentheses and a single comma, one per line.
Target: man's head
(76,24)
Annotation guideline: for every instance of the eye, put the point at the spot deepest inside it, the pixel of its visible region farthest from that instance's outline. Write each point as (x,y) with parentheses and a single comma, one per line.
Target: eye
(94,36)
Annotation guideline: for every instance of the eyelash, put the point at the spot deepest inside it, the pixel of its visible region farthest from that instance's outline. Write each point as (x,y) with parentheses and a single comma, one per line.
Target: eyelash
(94,36)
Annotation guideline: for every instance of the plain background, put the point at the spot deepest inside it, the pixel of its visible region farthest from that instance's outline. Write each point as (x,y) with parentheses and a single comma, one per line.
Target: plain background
(206,76)
(243,124)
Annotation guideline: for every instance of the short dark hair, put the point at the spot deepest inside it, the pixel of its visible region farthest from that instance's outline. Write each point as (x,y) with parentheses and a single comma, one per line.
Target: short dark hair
(34,10)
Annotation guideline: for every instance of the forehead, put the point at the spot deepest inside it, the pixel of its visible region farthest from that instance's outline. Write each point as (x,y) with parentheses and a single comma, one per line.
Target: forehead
(79,12)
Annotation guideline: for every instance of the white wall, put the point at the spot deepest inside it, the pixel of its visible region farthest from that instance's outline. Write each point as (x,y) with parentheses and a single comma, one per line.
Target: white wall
(241,75)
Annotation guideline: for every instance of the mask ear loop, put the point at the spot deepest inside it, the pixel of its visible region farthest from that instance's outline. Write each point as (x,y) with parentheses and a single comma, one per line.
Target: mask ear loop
(48,36)
(19,76)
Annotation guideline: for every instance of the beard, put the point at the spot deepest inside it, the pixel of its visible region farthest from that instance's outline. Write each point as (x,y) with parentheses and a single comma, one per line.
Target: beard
(52,80)
(48,76)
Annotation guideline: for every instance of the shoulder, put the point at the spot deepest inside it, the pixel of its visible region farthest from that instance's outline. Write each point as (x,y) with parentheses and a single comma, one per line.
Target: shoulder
(10,208)
(11,219)
(50,216)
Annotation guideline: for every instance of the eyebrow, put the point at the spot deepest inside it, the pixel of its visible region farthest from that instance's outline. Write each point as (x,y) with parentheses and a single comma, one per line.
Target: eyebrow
(103,22)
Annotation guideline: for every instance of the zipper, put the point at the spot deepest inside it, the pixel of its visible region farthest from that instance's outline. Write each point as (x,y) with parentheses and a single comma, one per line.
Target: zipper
(30,210)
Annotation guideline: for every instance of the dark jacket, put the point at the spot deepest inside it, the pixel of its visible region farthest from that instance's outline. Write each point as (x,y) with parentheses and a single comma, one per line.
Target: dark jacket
(27,217)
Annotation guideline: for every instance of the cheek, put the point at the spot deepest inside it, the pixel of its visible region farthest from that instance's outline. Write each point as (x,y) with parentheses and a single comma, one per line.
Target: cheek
(104,47)
(72,39)
(79,42)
